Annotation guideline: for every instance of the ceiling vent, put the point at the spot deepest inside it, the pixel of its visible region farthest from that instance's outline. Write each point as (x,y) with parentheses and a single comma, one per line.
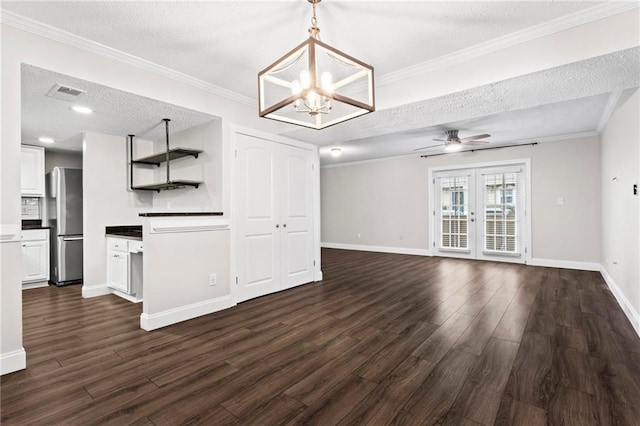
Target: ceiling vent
(65,93)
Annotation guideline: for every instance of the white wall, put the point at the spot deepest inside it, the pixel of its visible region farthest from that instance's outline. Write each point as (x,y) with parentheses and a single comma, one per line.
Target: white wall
(177,266)
(107,201)
(387,201)
(620,170)
(70,159)
(20,47)
(206,168)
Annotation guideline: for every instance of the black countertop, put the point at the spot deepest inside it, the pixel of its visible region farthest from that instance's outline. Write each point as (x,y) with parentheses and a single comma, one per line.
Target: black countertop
(170,214)
(126,231)
(33,224)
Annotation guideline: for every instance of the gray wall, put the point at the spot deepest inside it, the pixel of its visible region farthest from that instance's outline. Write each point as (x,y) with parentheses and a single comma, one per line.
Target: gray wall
(70,159)
(386,201)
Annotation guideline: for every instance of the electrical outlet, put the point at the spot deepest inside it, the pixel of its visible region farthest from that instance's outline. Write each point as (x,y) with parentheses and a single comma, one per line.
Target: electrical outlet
(212,279)
(359,235)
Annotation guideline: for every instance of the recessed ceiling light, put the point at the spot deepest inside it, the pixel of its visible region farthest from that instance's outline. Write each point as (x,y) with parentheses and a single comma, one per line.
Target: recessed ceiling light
(81,109)
(46,140)
(336,152)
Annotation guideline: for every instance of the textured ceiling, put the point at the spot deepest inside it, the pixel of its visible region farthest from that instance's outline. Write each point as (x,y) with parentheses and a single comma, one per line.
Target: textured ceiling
(115,112)
(559,94)
(225,44)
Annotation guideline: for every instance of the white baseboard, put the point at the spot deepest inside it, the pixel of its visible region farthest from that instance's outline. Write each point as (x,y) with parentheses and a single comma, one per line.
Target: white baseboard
(37,284)
(379,249)
(624,303)
(95,290)
(13,361)
(130,297)
(184,313)
(565,264)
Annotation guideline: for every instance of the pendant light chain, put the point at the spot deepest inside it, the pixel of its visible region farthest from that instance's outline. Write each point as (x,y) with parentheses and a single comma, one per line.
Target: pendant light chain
(314,31)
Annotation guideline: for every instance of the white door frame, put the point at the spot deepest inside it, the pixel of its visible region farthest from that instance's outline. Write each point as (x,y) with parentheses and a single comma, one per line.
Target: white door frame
(234,130)
(526,238)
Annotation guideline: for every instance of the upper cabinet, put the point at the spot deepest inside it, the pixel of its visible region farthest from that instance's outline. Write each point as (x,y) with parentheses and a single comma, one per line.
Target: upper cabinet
(32,171)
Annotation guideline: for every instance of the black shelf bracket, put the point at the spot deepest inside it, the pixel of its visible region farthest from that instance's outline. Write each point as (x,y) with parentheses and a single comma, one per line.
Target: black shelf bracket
(165,157)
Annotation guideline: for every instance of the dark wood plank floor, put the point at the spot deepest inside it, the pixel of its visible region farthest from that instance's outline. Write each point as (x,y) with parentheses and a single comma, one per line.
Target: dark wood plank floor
(383,339)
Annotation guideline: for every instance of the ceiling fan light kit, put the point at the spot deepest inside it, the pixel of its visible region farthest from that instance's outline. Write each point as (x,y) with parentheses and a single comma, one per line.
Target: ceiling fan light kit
(454,144)
(315,85)
(453,147)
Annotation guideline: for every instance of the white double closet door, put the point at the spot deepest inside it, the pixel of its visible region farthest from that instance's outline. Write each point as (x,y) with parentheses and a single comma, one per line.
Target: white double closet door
(274,211)
(480,213)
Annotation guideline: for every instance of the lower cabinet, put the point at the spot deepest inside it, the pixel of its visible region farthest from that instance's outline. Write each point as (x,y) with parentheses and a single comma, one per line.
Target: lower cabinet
(118,272)
(124,267)
(35,258)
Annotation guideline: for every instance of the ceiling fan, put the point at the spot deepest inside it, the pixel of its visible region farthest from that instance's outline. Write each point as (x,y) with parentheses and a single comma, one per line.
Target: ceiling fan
(453,143)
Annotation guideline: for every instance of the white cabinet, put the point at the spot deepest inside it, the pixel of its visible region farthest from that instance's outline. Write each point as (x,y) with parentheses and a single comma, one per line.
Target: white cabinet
(118,264)
(124,267)
(35,258)
(32,171)
(274,208)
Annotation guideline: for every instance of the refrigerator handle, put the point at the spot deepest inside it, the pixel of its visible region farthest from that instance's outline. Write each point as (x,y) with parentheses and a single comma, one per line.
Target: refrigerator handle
(72,238)
(60,203)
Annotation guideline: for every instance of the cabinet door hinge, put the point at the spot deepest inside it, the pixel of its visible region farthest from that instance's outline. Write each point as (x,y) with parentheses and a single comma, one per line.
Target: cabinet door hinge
(236,153)
(314,263)
(434,244)
(236,280)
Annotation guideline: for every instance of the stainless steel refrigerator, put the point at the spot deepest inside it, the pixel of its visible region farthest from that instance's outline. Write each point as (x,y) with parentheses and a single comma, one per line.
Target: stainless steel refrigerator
(63,213)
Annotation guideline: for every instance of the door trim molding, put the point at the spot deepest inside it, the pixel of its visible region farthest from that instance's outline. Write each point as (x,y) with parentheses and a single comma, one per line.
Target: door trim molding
(527,237)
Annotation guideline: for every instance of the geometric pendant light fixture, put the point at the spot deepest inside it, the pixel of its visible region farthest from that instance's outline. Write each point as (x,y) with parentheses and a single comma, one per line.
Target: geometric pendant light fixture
(315,85)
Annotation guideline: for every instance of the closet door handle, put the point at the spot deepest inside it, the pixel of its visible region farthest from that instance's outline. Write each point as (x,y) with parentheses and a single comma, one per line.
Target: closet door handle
(277,225)
(284,225)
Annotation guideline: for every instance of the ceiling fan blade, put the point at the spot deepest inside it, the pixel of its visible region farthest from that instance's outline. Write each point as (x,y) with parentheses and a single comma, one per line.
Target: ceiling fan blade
(470,138)
(427,147)
(441,140)
(475,142)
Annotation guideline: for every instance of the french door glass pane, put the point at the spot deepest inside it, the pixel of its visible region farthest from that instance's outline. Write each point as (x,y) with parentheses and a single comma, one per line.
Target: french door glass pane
(454,195)
(501,212)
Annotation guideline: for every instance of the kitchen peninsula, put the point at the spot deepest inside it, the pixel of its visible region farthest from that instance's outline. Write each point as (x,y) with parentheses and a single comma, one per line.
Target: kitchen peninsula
(186,270)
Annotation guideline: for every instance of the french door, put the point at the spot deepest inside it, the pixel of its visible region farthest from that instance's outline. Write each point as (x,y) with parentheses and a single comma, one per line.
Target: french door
(480,213)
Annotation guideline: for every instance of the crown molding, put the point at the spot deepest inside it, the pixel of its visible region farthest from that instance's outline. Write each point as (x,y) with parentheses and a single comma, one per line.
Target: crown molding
(551,27)
(55,34)
(563,23)
(510,144)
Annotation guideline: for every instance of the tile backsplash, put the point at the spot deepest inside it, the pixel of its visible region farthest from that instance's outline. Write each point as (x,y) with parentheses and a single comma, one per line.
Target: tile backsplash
(30,208)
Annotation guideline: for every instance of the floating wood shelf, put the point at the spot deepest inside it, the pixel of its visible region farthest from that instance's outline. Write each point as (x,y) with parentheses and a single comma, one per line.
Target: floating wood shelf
(174,154)
(174,184)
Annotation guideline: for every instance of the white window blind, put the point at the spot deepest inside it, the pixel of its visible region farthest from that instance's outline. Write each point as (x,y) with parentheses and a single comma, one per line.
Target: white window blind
(454,210)
(502,211)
